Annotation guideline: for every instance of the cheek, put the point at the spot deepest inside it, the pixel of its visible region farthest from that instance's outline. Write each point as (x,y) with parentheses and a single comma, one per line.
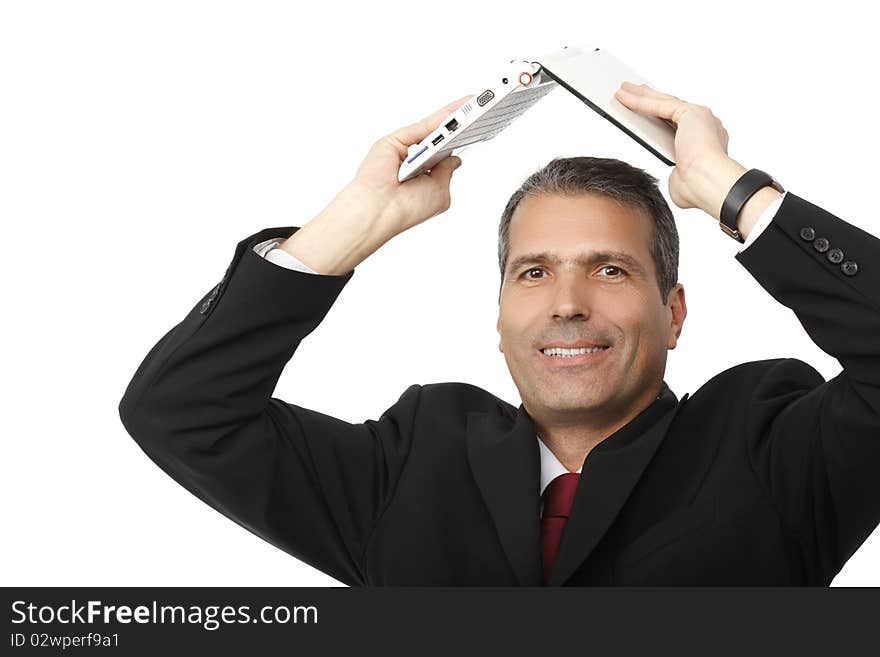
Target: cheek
(642,330)
(652,336)
(515,327)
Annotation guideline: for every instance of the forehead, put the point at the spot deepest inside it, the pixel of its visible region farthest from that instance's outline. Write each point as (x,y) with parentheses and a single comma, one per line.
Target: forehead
(574,224)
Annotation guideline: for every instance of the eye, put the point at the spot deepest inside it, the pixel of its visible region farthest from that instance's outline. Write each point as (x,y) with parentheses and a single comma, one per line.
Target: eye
(526,273)
(615,267)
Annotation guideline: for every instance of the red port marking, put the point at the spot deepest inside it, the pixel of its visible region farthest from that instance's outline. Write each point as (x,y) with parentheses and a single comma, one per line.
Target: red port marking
(525,78)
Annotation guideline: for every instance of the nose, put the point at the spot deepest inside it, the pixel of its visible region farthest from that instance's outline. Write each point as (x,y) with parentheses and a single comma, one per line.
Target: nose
(571,298)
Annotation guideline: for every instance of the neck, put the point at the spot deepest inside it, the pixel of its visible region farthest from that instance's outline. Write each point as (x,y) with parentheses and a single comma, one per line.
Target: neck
(572,436)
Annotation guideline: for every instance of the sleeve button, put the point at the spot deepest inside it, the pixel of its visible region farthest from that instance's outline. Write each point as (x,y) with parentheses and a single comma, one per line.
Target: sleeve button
(850,267)
(807,233)
(821,244)
(835,256)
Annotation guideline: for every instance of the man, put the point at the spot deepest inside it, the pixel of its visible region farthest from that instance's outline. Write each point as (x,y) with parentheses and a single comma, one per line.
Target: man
(768,475)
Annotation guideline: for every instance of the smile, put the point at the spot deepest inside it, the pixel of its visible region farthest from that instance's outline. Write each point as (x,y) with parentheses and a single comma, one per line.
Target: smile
(568,357)
(559,351)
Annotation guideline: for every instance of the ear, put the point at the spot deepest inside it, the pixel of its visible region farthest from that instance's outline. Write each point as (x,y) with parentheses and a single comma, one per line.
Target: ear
(498,329)
(678,311)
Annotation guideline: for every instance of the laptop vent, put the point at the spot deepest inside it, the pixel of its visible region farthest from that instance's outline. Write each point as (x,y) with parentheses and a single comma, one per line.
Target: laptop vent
(466,109)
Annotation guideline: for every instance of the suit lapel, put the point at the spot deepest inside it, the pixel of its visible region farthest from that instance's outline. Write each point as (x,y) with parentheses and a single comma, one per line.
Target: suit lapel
(504,458)
(609,473)
(505,461)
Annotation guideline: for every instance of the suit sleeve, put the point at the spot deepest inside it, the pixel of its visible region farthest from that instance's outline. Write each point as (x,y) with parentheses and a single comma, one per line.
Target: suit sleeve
(200,407)
(816,444)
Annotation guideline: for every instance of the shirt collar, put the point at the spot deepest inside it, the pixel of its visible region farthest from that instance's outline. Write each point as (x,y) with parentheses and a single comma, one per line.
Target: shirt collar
(550,465)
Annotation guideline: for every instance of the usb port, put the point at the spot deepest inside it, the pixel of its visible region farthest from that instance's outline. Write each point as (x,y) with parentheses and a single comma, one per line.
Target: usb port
(436,140)
(452,126)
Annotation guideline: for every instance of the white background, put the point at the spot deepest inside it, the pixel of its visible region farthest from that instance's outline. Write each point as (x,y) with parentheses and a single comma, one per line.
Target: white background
(142,141)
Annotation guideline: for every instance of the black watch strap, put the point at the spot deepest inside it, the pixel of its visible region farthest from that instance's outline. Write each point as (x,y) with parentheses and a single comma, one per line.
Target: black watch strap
(743,189)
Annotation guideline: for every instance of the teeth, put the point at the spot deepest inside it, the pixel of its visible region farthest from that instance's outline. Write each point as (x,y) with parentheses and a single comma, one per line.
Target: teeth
(556,351)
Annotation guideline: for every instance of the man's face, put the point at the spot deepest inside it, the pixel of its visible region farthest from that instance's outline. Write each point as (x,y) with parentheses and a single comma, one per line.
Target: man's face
(562,287)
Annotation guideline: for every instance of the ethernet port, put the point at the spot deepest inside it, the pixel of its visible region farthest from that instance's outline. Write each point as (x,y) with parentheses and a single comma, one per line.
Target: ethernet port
(452,126)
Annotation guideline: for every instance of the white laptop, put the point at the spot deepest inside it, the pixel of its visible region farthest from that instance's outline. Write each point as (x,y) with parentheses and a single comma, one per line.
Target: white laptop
(514,90)
(591,74)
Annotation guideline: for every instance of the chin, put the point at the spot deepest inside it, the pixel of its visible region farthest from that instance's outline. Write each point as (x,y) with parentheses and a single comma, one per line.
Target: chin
(563,402)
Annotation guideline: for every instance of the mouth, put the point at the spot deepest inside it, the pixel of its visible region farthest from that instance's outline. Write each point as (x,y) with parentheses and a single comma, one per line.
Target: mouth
(572,356)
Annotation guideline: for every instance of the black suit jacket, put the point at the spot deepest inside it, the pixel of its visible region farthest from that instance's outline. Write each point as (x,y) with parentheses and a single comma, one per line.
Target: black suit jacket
(767,475)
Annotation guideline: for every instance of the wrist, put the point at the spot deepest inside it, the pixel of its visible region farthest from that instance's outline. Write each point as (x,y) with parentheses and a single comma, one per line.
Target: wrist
(340,237)
(754,208)
(713,182)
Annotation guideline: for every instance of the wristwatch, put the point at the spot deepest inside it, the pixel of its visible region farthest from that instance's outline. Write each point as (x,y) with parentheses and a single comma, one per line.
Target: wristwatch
(743,189)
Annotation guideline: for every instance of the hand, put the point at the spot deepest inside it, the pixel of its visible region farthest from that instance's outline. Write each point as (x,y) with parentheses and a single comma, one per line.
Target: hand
(403,205)
(374,207)
(704,172)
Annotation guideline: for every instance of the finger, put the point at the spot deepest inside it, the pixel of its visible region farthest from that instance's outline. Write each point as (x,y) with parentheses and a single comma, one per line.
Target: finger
(439,173)
(662,106)
(442,171)
(438,180)
(644,90)
(414,133)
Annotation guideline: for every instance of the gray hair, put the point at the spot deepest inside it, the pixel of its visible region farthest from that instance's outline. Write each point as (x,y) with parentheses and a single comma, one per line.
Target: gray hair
(608,177)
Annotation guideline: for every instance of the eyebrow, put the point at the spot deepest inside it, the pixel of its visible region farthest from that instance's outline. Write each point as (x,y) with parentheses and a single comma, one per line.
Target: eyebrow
(585,260)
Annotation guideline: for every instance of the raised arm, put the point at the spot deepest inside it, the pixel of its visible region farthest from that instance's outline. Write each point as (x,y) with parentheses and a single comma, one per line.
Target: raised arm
(814,444)
(200,403)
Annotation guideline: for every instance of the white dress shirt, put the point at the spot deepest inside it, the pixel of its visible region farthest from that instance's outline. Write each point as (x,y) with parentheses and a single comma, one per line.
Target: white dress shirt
(550,465)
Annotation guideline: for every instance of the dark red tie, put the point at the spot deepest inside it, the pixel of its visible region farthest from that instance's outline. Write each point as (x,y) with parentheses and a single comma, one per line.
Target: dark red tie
(558,498)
